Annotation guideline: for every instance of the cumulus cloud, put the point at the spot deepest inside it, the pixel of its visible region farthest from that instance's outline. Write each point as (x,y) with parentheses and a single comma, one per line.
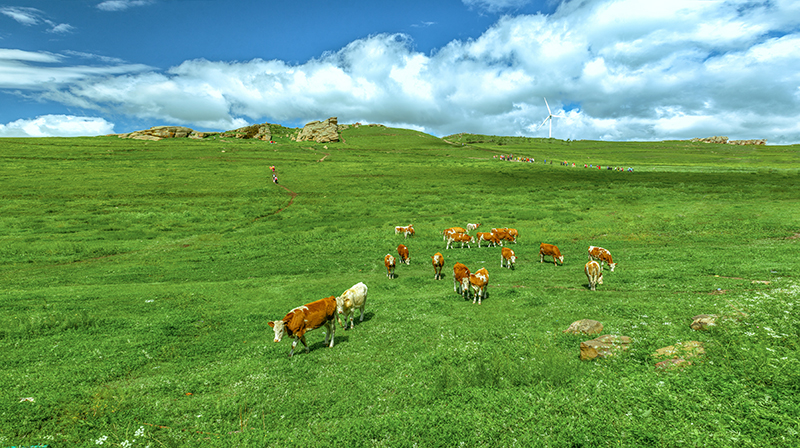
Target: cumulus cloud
(57,126)
(617,69)
(496,5)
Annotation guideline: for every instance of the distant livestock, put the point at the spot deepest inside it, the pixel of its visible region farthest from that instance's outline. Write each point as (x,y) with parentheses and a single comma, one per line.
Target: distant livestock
(461,280)
(452,231)
(550,251)
(594,274)
(406,231)
(602,256)
(438,263)
(471,226)
(507,258)
(479,280)
(505,234)
(388,260)
(346,304)
(402,250)
(306,318)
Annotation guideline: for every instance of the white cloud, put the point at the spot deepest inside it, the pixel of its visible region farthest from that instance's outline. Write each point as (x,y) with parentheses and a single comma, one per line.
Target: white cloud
(121,5)
(496,5)
(57,126)
(32,16)
(622,69)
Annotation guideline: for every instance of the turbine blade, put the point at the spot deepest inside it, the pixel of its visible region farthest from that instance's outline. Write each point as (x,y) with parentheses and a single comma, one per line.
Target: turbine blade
(545,121)
(548,106)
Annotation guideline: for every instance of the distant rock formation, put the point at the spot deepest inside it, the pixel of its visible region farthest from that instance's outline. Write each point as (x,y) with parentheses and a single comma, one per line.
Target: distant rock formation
(159,133)
(256,131)
(724,140)
(320,131)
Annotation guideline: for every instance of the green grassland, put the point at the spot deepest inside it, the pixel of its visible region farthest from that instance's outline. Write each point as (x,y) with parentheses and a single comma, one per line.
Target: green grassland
(137,279)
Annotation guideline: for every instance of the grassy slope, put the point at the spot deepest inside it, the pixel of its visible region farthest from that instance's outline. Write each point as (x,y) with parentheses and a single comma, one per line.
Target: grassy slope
(138,278)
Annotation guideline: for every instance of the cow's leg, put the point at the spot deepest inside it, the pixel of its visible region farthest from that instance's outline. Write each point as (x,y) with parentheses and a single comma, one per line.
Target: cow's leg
(332,329)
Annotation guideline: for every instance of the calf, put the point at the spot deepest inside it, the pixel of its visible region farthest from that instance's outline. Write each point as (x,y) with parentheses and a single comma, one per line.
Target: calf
(601,255)
(594,274)
(478,281)
(507,258)
(452,230)
(471,226)
(355,297)
(438,263)
(408,230)
(461,280)
(402,250)
(550,250)
(388,260)
(489,237)
(306,318)
(462,238)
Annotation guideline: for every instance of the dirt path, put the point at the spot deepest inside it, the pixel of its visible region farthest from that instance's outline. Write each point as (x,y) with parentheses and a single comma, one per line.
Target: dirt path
(292,195)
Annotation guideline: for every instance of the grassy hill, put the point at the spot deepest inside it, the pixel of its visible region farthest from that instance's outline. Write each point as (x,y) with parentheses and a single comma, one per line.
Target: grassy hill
(137,280)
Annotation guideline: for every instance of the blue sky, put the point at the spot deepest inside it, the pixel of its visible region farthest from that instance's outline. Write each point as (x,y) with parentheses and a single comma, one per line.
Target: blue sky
(613,69)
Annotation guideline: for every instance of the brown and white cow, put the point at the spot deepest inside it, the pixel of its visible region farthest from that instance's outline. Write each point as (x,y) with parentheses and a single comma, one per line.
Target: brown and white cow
(503,234)
(479,280)
(461,280)
(550,250)
(451,231)
(306,318)
(402,250)
(472,226)
(462,238)
(438,263)
(594,274)
(388,260)
(407,230)
(489,237)
(507,258)
(354,297)
(601,255)
(513,234)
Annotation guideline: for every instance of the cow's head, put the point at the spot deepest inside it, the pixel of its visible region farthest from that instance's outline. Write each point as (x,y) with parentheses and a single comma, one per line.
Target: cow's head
(612,266)
(513,259)
(561,259)
(279,327)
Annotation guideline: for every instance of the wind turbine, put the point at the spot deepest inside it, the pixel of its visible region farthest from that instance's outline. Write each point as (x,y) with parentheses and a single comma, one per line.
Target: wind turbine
(550,117)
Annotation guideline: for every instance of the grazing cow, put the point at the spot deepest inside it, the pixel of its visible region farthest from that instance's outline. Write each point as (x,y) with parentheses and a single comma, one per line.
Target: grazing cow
(550,250)
(355,297)
(478,281)
(461,280)
(489,237)
(507,258)
(408,230)
(462,238)
(402,250)
(438,263)
(601,255)
(452,231)
(503,234)
(594,274)
(388,260)
(306,318)
(471,226)
(513,234)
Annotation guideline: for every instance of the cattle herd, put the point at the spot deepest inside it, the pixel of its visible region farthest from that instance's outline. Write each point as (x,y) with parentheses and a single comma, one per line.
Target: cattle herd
(322,313)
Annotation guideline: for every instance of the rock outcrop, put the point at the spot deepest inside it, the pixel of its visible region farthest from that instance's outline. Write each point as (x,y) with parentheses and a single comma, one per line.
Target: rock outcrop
(724,140)
(159,133)
(256,131)
(679,355)
(320,131)
(703,321)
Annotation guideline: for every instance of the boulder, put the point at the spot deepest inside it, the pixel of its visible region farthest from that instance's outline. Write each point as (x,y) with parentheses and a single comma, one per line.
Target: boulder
(703,321)
(585,326)
(604,346)
(678,355)
(320,131)
(159,132)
